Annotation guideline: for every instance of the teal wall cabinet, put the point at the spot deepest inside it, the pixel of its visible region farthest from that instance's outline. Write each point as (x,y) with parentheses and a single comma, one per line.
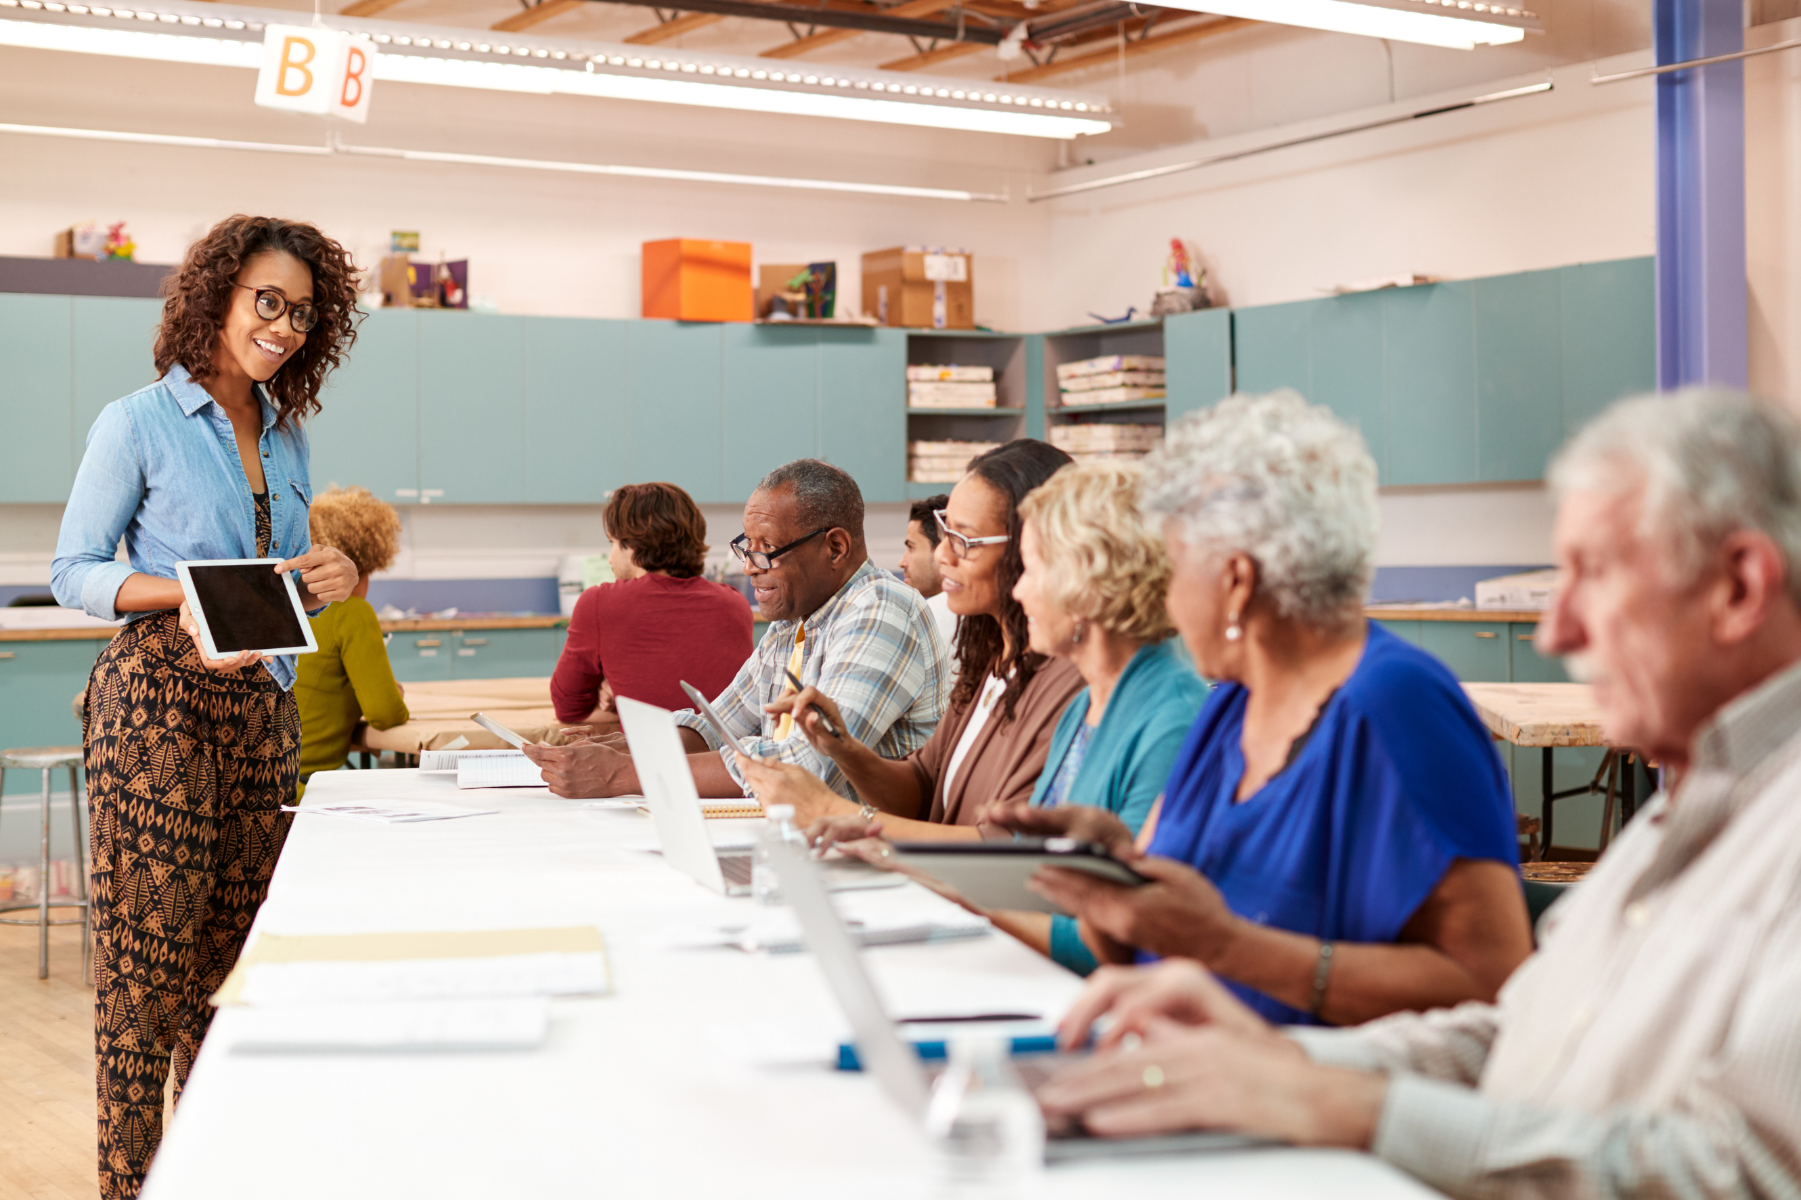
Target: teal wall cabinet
(366,433)
(863,408)
(471,401)
(38,455)
(1197,350)
(1429,385)
(505,653)
(578,422)
(771,400)
(673,389)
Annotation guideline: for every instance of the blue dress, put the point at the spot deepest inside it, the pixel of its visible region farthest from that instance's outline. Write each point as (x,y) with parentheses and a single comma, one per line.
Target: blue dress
(1397,778)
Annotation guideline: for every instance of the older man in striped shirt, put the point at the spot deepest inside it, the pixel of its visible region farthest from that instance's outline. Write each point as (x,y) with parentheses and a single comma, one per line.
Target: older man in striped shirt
(837,622)
(1652,1045)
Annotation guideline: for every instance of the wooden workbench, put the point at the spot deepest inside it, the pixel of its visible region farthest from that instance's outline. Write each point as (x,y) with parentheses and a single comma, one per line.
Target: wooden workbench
(439,715)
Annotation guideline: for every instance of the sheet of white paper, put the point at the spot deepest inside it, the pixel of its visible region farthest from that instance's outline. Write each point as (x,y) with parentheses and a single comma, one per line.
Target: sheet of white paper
(448,758)
(391,812)
(512,769)
(516,1024)
(778,932)
(552,974)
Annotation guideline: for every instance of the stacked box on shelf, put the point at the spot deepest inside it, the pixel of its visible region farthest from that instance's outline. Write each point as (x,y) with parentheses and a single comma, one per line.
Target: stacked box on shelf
(1111,379)
(942,461)
(1105,443)
(930,386)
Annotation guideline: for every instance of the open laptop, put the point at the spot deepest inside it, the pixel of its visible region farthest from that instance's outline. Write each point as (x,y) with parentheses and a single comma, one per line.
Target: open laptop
(675,810)
(895,1064)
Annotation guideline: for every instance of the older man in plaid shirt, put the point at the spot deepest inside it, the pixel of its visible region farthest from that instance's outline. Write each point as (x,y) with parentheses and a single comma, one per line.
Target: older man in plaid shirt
(837,621)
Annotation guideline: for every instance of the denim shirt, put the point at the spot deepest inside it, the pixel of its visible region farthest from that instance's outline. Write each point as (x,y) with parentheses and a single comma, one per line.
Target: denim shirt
(162,472)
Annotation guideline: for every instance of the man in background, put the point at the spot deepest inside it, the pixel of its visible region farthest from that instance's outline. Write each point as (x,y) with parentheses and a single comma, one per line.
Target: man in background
(837,621)
(921,572)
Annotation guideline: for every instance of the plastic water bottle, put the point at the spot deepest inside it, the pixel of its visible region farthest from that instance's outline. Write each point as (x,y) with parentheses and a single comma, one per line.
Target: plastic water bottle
(781,828)
(986,1130)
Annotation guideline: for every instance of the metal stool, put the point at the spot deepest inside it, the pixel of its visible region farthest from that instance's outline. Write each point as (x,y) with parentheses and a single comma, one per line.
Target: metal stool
(48,759)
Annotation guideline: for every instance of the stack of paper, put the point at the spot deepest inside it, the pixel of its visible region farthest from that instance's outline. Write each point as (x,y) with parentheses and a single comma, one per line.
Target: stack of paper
(1111,379)
(950,395)
(942,461)
(929,373)
(502,769)
(390,812)
(1105,442)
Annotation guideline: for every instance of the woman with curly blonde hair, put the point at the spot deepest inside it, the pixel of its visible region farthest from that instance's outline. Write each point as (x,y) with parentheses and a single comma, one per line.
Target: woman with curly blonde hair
(190,758)
(349,679)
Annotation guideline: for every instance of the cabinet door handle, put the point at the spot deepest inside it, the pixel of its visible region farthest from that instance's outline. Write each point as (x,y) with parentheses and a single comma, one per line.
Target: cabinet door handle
(424,642)
(1525,637)
(7,654)
(1484,633)
(475,641)
(407,493)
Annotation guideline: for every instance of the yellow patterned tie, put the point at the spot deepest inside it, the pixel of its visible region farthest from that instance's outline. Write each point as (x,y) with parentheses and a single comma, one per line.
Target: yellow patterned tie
(786,726)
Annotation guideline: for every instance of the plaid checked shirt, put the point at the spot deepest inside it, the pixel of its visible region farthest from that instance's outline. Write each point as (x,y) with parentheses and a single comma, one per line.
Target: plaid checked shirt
(872,648)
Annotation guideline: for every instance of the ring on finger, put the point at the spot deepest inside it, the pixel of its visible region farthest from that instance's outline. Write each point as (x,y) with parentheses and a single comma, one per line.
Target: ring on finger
(1153,1077)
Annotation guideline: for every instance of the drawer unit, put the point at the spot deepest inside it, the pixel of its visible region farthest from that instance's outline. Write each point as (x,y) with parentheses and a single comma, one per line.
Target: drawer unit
(38,685)
(1476,651)
(1407,631)
(503,653)
(422,655)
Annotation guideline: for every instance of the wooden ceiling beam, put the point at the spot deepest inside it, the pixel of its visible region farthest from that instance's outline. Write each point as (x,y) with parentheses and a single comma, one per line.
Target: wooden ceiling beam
(674,27)
(919,62)
(544,10)
(1100,58)
(366,8)
(831,37)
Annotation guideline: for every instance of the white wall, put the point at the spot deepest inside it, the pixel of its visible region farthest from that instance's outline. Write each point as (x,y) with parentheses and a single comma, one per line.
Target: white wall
(1773,211)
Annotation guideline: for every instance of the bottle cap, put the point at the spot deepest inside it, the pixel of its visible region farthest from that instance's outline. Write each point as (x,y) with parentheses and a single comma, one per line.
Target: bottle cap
(779,812)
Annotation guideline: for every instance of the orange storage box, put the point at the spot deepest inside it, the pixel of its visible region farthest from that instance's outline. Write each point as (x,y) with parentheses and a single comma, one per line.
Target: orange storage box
(686,279)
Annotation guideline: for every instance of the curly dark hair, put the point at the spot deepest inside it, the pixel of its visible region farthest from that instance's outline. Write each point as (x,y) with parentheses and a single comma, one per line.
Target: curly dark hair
(661,525)
(1012,470)
(198,295)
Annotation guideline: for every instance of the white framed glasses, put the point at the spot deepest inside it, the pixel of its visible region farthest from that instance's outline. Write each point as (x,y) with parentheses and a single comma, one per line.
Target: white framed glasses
(962,544)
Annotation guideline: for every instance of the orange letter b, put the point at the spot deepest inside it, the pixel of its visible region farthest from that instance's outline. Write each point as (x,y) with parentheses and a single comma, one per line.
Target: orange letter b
(290,63)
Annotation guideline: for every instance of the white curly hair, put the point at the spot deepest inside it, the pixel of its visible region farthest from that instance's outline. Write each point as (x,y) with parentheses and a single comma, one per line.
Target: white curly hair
(1283,481)
(1710,460)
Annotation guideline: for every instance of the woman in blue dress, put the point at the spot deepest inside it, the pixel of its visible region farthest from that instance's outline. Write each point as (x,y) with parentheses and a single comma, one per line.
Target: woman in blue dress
(1336,839)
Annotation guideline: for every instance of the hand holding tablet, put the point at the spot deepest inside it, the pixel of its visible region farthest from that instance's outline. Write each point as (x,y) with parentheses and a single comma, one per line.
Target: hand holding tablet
(239,611)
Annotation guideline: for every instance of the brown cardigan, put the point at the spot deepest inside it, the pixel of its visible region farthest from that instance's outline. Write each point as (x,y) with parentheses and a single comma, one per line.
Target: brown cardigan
(1007,757)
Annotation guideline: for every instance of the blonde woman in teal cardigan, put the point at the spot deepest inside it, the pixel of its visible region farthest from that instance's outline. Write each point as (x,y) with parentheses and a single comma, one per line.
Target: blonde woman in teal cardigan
(1093,592)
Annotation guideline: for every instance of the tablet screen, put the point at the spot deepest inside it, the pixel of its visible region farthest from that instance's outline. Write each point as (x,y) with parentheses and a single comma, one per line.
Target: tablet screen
(247,607)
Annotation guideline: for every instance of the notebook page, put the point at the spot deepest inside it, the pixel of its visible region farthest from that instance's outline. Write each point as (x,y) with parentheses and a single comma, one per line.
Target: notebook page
(512,769)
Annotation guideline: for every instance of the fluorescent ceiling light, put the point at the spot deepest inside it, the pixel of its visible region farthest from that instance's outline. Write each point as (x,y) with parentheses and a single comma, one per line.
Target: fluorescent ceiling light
(488,160)
(213,35)
(1455,24)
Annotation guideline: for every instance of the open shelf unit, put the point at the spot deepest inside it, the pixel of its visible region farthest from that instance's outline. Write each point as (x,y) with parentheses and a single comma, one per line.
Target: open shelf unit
(1075,345)
(1012,356)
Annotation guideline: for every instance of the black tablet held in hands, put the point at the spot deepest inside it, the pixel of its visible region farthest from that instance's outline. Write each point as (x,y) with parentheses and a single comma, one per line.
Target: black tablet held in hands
(994,874)
(242,604)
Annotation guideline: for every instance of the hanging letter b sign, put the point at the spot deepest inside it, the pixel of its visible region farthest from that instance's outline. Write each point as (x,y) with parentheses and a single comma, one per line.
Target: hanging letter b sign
(307,69)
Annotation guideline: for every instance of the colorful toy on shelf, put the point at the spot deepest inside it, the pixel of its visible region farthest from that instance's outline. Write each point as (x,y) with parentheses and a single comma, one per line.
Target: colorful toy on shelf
(1177,264)
(1184,288)
(119,246)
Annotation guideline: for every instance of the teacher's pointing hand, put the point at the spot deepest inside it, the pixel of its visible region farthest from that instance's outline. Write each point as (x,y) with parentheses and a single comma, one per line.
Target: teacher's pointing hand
(326,575)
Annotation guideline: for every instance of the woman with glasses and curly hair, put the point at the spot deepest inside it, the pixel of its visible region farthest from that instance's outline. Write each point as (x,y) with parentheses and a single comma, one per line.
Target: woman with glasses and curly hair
(190,758)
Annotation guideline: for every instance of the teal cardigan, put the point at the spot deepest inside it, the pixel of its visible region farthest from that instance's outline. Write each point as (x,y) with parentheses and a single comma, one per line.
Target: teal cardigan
(1129,754)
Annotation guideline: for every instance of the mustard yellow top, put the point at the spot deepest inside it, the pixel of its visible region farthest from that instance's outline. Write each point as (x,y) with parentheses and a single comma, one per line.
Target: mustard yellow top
(347,681)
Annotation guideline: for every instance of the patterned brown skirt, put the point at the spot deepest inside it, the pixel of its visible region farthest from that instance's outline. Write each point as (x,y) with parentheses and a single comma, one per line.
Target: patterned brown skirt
(187,770)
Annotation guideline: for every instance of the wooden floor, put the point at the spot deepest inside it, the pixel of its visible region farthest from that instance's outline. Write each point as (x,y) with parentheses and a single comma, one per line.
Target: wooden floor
(46,1069)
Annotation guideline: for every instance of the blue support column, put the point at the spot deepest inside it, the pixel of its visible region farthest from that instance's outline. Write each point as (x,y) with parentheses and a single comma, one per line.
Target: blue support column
(1701,329)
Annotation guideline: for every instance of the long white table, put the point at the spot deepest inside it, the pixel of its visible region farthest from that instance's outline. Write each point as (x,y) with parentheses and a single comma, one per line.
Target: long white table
(639,1093)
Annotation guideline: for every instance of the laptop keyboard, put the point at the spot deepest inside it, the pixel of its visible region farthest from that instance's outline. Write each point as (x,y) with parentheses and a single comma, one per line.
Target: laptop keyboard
(736,868)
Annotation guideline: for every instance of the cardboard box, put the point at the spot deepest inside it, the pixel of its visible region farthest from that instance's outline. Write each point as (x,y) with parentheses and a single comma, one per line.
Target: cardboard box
(686,279)
(1529,591)
(919,288)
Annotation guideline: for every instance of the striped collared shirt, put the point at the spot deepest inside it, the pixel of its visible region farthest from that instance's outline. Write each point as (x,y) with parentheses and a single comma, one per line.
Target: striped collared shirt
(872,648)
(1652,1045)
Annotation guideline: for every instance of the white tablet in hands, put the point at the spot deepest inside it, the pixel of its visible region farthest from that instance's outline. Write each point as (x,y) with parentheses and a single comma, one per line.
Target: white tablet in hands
(241,604)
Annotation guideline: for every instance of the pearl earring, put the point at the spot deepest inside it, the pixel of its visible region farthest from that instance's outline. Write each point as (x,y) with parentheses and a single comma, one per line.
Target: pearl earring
(1233,630)
(1081,631)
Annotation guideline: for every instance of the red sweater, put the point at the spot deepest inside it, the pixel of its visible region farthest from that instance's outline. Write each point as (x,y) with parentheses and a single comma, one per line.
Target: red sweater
(647,634)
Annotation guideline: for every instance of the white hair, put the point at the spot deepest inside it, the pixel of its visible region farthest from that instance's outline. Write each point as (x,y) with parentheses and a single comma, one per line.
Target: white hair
(1710,461)
(1282,481)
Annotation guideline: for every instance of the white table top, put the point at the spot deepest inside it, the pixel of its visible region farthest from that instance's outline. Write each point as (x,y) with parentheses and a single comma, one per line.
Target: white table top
(646,1092)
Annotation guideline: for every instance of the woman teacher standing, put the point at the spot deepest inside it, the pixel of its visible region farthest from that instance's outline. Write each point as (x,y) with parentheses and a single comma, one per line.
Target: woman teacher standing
(189,759)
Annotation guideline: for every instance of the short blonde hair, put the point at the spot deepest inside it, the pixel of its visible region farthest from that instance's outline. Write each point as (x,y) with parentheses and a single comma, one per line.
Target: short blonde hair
(1104,563)
(367,530)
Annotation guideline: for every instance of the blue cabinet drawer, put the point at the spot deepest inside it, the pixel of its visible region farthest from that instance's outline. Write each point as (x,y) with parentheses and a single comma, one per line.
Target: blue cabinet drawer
(505,653)
(422,656)
(38,685)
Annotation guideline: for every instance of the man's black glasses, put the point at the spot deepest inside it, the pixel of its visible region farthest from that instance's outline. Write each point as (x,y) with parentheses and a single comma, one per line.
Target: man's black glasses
(270,304)
(760,560)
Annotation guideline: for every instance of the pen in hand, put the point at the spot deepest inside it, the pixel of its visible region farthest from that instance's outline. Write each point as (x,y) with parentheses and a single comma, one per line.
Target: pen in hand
(824,721)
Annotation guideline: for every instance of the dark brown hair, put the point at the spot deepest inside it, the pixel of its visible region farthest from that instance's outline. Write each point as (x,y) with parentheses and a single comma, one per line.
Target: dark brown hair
(199,294)
(661,525)
(922,514)
(1012,470)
